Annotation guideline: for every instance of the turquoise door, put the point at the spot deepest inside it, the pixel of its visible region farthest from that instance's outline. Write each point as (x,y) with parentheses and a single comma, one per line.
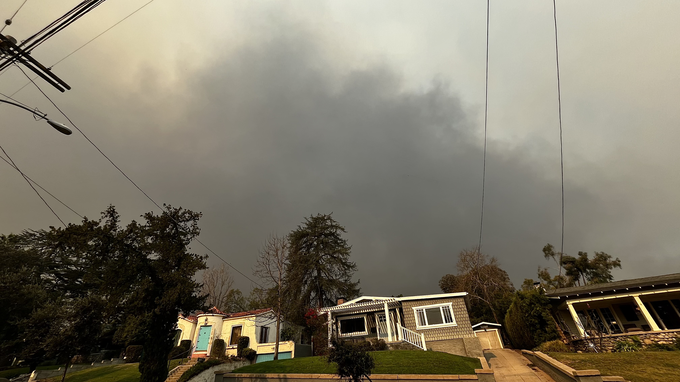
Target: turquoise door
(203,337)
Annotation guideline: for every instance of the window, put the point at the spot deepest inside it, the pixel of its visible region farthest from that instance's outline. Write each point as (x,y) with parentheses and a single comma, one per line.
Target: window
(352,326)
(264,334)
(235,335)
(628,311)
(434,316)
(610,321)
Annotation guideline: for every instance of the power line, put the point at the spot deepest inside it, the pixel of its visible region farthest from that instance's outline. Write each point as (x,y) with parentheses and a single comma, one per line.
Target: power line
(486,114)
(559,114)
(30,184)
(9,21)
(41,187)
(129,179)
(86,43)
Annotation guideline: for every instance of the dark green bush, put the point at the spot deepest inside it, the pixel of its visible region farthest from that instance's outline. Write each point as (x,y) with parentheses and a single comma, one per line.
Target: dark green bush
(354,363)
(288,334)
(178,352)
(660,347)
(630,345)
(198,368)
(186,344)
(528,321)
(243,342)
(219,349)
(249,354)
(555,346)
(132,353)
(378,344)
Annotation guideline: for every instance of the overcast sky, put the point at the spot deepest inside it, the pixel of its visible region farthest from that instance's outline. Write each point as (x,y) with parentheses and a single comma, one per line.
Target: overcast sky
(260,114)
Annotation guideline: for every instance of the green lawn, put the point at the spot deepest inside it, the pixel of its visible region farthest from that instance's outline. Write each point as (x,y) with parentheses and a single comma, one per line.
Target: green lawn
(386,362)
(643,366)
(118,373)
(11,373)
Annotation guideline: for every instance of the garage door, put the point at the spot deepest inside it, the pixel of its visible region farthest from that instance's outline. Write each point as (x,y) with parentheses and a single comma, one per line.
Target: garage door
(489,339)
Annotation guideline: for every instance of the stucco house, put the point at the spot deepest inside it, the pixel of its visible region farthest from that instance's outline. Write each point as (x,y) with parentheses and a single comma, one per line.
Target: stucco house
(438,321)
(599,315)
(259,326)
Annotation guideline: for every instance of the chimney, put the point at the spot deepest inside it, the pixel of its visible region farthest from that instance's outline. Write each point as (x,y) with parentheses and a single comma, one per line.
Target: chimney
(341,300)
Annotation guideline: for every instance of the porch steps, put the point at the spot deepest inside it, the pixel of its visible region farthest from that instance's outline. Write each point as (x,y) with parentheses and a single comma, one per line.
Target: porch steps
(176,373)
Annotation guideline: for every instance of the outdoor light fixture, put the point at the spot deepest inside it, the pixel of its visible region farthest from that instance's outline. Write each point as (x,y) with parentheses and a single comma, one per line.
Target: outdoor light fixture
(60,127)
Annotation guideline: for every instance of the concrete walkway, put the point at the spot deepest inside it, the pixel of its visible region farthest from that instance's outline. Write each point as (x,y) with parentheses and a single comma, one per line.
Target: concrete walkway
(509,366)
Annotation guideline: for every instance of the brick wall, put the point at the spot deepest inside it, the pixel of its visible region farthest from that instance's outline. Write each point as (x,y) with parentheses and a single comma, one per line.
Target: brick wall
(462,329)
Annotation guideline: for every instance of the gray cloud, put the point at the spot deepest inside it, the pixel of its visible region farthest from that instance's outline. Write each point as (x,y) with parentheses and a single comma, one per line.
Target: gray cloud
(260,135)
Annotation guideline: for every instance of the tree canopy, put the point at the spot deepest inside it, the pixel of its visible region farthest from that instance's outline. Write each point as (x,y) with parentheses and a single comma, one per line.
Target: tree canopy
(95,284)
(319,269)
(489,287)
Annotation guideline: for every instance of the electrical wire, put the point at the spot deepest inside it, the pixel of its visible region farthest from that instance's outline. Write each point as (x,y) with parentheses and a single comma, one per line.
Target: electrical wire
(559,114)
(130,179)
(41,187)
(12,18)
(30,184)
(85,44)
(486,114)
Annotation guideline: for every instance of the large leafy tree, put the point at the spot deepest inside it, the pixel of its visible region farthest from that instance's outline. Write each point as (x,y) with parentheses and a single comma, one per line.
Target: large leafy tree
(165,286)
(319,269)
(89,284)
(576,271)
(528,321)
(488,286)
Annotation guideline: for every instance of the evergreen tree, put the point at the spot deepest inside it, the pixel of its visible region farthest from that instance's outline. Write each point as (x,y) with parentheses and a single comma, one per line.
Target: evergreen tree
(319,269)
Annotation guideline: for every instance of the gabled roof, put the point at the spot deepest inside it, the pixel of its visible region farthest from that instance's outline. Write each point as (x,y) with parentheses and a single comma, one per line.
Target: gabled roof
(485,323)
(619,286)
(371,303)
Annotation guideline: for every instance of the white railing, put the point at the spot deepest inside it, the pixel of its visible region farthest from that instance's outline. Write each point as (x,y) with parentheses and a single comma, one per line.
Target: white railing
(415,339)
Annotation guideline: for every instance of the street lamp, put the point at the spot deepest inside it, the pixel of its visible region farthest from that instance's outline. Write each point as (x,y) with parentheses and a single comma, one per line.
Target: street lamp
(60,127)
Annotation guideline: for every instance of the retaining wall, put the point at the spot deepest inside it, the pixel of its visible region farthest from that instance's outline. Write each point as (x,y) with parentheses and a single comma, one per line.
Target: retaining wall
(666,337)
(563,373)
(483,375)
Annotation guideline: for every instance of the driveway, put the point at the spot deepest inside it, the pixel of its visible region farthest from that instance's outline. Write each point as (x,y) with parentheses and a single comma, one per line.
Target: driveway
(509,366)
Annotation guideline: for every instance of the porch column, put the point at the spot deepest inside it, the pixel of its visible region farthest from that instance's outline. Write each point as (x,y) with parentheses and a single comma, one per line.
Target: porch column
(330,327)
(645,313)
(387,322)
(577,322)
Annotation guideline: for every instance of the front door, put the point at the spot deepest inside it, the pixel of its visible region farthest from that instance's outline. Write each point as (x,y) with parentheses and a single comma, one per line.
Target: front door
(382,326)
(203,338)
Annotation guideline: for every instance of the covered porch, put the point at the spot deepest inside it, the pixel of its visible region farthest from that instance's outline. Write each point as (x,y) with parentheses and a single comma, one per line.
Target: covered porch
(363,321)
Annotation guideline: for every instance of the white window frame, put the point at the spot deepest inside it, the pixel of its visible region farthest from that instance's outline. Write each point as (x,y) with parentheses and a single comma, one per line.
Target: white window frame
(364,333)
(448,305)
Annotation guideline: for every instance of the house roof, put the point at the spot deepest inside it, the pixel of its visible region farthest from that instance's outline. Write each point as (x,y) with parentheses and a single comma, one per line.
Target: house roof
(248,313)
(622,285)
(372,303)
(487,324)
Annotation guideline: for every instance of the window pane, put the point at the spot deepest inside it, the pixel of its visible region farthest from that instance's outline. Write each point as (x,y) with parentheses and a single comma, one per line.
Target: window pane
(352,325)
(434,316)
(610,320)
(235,334)
(448,316)
(420,316)
(264,334)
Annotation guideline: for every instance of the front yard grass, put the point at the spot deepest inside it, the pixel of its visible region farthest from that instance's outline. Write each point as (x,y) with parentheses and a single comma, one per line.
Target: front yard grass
(128,372)
(386,362)
(642,366)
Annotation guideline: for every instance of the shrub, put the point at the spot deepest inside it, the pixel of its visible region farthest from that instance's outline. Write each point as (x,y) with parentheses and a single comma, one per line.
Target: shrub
(528,321)
(198,368)
(243,343)
(219,350)
(354,363)
(378,344)
(186,344)
(630,345)
(555,346)
(249,354)
(660,347)
(177,352)
(288,334)
(132,353)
